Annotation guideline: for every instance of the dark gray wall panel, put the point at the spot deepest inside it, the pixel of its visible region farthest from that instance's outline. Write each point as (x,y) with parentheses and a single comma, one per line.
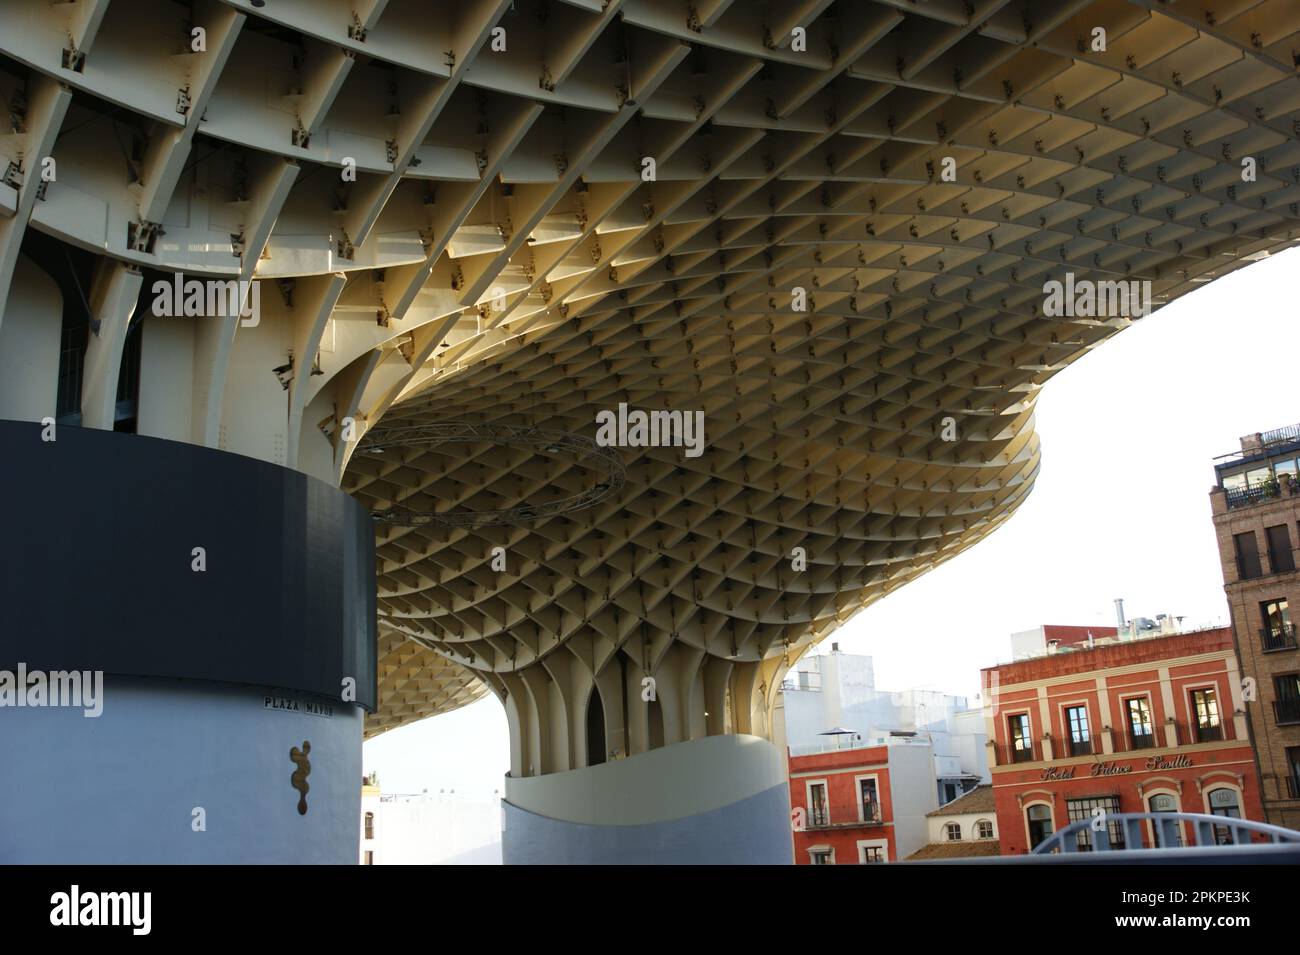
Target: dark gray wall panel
(96,533)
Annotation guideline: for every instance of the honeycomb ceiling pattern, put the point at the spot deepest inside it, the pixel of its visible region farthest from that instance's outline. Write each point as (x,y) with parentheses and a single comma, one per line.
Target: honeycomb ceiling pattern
(824,429)
(514,263)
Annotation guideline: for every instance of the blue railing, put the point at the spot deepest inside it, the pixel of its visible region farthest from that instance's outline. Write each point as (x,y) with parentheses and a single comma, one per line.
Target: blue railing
(1209,830)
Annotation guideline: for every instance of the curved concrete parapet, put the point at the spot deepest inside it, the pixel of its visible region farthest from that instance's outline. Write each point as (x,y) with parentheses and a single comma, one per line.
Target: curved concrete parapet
(180,771)
(718,800)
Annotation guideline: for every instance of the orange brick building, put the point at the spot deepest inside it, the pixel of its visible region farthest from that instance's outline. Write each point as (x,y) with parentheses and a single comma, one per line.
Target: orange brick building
(1141,724)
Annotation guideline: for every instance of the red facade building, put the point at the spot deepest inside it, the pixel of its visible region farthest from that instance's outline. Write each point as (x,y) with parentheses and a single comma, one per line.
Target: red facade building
(841,807)
(1145,724)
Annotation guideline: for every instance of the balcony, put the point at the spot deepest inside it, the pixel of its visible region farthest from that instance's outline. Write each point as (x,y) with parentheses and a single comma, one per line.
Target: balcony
(1127,741)
(1022,752)
(1189,734)
(1205,732)
(820,818)
(1257,494)
(1286,710)
(1082,747)
(1281,637)
(1185,734)
(1196,732)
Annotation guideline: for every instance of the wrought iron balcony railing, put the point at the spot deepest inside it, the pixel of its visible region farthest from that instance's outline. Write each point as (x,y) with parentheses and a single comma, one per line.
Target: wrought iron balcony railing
(1258,493)
(1126,741)
(1188,734)
(1023,751)
(1286,710)
(821,818)
(1082,747)
(1281,637)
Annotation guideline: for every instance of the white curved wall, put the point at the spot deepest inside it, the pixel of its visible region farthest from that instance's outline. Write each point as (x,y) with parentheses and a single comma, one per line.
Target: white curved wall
(123,787)
(678,780)
(719,800)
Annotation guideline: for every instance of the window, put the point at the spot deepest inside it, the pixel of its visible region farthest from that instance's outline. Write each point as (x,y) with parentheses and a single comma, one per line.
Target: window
(1164,833)
(370,857)
(1140,731)
(1248,566)
(1039,818)
(1280,557)
(1293,772)
(867,800)
(1259,477)
(1286,708)
(871,855)
(1076,718)
(1022,746)
(818,811)
(1278,634)
(370,825)
(952,832)
(983,829)
(1205,709)
(1223,802)
(1093,808)
(823,856)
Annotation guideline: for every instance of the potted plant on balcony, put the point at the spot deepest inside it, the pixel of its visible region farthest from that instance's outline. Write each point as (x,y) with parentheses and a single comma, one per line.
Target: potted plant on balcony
(1270,485)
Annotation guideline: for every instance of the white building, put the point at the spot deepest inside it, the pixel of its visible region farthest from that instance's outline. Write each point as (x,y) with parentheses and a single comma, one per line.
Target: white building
(837,691)
(443,828)
(965,827)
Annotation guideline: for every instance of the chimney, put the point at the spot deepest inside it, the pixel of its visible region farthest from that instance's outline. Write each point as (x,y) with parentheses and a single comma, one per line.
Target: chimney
(1119,613)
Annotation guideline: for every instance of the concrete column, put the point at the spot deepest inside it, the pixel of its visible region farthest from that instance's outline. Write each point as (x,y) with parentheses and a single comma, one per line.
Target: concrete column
(183,668)
(683,774)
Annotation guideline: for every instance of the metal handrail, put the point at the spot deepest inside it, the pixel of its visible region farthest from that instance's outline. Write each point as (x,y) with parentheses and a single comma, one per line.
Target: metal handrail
(1278,435)
(1169,828)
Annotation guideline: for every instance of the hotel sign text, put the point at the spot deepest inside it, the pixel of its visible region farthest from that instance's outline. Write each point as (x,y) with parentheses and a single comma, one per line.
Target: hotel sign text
(1112,768)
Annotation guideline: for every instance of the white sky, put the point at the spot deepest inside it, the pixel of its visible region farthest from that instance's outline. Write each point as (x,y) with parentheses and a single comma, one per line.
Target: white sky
(1120,509)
